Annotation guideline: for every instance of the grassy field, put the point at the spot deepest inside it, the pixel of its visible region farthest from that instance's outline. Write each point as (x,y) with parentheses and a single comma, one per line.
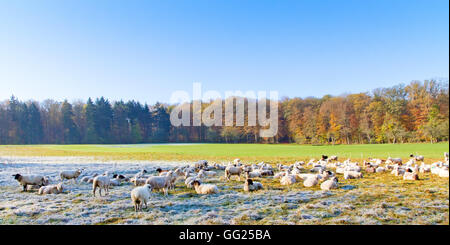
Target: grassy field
(378,198)
(227,152)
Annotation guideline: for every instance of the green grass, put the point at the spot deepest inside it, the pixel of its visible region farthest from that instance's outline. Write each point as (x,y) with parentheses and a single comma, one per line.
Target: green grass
(227,152)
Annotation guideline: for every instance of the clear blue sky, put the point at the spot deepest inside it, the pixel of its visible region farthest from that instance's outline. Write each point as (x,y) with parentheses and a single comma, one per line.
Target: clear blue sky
(145,50)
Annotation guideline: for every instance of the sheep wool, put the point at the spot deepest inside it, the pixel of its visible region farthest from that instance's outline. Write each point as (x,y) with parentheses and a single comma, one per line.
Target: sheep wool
(141,195)
(205,188)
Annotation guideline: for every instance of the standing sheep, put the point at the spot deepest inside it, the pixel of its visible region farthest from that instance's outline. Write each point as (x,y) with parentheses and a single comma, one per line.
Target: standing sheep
(26,180)
(141,195)
(70,174)
(160,182)
(230,170)
(102,182)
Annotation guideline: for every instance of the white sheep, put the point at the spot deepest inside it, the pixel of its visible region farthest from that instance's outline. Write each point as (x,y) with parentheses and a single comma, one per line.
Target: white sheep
(141,195)
(114,182)
(380,170)
(219,166)
(51,189)
(70,174)
(417,158)
(251,185)
(202,173)
(160,182)
(138,181)
(102,182)
(288,180)
(230,171)
(410,175)
(140,174)
(311,181)
(352,175)
(329,184)
(26,180)
(397,171)
(394,160)
(333,158)
(204,188)
(279,175)
(304,176)
(443,172)
(189,180)
(253,174)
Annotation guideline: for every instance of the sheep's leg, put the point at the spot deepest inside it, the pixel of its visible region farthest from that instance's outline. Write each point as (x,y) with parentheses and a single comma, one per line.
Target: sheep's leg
(25,187)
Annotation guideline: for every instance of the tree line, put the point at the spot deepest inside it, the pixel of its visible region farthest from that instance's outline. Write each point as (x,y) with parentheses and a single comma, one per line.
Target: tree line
(417,112)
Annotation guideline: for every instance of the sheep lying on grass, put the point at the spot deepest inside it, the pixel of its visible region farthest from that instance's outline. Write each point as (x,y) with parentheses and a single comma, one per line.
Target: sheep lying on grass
(102,182)
(70,174)
(189,181)
(51,189)
(311,181)
(141,195)
(394,161)
(410,175)
(202,173)
(352,175)
(253,174)
(204,188)
(417,158)
(397,171)
(443,173)
(329,184)
(138,181)
(250,185)
(288,180)
(25,180)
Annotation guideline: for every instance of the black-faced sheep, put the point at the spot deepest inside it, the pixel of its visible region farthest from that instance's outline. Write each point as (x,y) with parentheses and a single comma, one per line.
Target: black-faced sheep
(410,175)
(251,185)
(26,180)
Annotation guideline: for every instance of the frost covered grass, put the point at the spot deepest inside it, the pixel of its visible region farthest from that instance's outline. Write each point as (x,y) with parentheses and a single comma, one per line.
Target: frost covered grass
(376,199)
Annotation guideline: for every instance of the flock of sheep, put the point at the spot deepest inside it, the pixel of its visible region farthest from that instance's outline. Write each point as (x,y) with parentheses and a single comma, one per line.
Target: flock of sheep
(321,172)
